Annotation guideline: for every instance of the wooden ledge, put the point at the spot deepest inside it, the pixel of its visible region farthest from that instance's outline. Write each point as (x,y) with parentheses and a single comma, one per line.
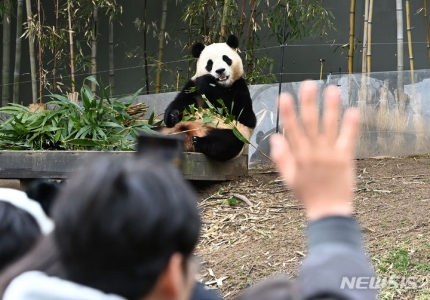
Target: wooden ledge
(60,164)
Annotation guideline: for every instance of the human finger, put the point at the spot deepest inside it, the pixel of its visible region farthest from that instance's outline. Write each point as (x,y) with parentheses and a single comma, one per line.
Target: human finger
(349,131)
(290,122)
(308,108)
(331,113)
(280,153)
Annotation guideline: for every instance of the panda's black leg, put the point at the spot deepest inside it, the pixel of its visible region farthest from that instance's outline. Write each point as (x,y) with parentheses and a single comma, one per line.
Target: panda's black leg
(218,144)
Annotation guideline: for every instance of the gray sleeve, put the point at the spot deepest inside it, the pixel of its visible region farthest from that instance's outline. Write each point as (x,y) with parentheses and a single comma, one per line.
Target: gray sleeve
(336,266)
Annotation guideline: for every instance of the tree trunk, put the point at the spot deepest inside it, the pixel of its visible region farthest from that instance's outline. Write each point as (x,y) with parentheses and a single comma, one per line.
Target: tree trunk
(351,37)
(399,13)
(111,61)
(427,29)
(94,47)
(17,71)
(369,37)
(6,53)
(223,32)
(145,53)
(409,33)
(162,37)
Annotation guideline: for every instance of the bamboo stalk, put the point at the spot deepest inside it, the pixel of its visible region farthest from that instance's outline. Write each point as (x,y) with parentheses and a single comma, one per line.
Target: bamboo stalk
(17,70)
(409,34)
(351,37)
(416,98)
(111,61)
(363,91)
(364,53)
(242,14)
(145,54)
(383,117)
(32,53)
(399,115)
(253,13)
(369,37)
(73,96)
(427,29)
(6,53)
(39,29)
(54,70)
(162,37)
(223,31)
(94,29)
(399,13)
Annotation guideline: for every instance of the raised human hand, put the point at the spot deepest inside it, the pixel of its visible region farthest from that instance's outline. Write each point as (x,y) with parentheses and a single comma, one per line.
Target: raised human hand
(317,162)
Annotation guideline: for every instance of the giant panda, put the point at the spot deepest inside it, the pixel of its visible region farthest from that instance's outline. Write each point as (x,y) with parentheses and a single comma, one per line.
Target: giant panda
(219,75)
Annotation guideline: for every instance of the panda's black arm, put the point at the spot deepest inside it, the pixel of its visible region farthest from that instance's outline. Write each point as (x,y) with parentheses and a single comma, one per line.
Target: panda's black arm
(242,107)
(173,112)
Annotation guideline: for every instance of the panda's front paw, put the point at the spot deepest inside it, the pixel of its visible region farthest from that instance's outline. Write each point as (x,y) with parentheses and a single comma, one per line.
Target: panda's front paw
(173,118)
(205,81)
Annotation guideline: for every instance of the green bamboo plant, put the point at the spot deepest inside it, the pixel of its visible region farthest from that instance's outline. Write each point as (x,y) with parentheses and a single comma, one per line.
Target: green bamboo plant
(99,124)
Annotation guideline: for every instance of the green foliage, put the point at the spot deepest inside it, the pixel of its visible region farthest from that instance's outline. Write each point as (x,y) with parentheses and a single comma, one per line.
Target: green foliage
(232,201)
(99,124)
(215,115)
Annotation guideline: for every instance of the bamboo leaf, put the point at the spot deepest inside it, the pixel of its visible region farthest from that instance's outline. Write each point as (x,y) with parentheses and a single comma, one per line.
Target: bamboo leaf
(240,136)
(110,124)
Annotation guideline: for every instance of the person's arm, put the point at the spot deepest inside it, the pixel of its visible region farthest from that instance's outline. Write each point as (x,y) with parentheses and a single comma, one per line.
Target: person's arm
(335,262)
(316,160)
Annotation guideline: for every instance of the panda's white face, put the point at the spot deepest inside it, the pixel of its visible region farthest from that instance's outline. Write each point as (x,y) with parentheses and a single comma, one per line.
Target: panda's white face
(222,62)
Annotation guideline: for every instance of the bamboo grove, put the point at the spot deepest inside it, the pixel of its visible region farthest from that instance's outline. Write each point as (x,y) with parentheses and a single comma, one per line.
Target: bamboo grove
(67,43)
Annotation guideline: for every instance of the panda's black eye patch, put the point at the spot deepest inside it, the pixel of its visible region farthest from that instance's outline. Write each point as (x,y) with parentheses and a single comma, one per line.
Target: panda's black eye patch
(209,65)
(227,59)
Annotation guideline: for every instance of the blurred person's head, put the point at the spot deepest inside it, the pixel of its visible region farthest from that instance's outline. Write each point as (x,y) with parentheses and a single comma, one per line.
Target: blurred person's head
(22,221)
(126,227)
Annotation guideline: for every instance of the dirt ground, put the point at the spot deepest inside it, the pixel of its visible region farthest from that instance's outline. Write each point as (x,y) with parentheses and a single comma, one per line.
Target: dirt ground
(243,243)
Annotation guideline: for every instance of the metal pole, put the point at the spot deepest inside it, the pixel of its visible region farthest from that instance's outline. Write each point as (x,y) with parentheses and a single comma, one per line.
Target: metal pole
(282,66)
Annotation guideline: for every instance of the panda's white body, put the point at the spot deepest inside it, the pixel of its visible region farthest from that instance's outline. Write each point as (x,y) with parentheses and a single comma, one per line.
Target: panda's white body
(218,76)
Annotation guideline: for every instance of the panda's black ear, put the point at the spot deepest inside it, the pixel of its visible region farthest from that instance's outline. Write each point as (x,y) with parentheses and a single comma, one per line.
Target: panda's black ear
(197,49)
(233,41)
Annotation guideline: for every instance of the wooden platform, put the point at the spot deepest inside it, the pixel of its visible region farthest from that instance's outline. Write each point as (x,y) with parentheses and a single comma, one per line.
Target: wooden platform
(25,165)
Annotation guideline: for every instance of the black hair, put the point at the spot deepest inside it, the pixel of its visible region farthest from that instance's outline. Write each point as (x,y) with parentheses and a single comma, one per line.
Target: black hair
(43,191)
(19,232)
(118,222)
